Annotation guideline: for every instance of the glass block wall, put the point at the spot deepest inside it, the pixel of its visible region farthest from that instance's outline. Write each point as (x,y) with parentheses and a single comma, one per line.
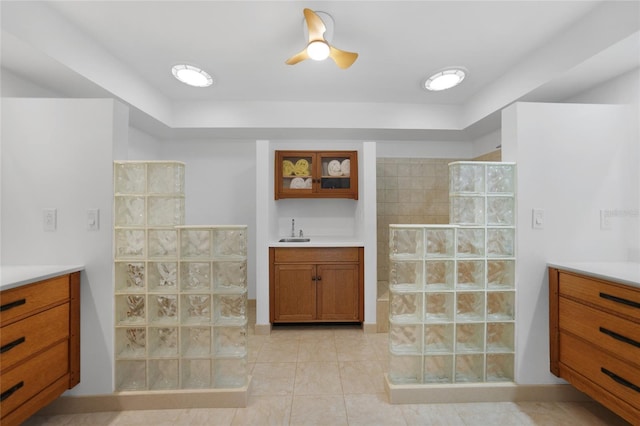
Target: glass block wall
(452,287)
(180,291)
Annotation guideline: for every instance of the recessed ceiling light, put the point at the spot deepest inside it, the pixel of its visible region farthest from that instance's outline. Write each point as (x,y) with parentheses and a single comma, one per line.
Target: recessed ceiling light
(445,79)
(193,76)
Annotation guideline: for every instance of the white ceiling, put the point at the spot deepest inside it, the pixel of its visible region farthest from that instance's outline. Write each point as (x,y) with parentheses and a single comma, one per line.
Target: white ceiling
(514,50)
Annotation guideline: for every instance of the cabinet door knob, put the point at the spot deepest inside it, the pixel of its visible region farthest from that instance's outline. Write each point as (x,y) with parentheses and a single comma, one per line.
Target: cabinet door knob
(319,278)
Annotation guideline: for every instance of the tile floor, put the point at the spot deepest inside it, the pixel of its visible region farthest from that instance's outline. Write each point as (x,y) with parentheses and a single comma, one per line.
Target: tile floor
(333,375)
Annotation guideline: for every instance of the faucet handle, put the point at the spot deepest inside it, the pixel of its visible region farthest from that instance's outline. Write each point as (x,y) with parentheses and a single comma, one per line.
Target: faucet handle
(301,234)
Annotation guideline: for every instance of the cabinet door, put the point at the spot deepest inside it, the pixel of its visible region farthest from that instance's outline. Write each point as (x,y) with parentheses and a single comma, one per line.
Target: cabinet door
(338,174)
(295,293)
(338,296)
(294,177)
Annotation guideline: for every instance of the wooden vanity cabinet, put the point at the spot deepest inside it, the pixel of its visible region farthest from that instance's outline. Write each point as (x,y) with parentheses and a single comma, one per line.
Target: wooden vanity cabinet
(315,284)
(40,341)
(316,174)
(595,339)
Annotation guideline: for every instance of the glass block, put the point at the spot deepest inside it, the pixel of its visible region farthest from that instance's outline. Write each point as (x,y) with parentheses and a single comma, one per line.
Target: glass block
(196,373)
(130,309)
(165,178)
(165,211)
(163,342)
(438,369)
(466,210)
(470,242)
(500,242)
(500,337)
(129,277)
(130,178)
(163,308)
(162,276)
(129,243)
(438,338)
(470,337)
(405,338)
(440,242)
(406,242)
(195,243)
(500,305)
(229,308)
(230,340)
(405,307)
(500,368)
(501,273)
(230,242)
(230,372)
(501,178)
(405,369)
(470,306)
(470,274)
(195,276)
(440,274)
(229,276)
(129,211)
(131,342)
(405,275)
(469,368)
(163,243)
(196,308)
(163,374)
(131,375)
(439,307)
(196,341)
(466,177)
(500,211)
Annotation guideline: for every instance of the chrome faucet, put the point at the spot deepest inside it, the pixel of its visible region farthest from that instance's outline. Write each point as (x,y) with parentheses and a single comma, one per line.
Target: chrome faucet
(301,234)
(293,228)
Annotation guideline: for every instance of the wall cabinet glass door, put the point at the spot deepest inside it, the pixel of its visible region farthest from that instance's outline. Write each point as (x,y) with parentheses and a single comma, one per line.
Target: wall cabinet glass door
(316,174)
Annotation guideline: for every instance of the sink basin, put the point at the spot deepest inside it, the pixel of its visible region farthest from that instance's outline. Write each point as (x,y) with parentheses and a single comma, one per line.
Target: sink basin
(294,240)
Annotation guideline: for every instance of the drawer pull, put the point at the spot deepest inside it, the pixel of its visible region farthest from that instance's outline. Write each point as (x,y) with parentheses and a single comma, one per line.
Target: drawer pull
(620,380)
(12,305)
(11,345)
(619,337)
(620,300)
(6,394)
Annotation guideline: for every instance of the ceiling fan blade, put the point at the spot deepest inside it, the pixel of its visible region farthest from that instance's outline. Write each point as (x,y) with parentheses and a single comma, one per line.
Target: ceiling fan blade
(315,25)
(298,57)
(342,58)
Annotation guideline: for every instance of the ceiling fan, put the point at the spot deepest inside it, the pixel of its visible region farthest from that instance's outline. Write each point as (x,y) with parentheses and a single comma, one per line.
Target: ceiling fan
(318,48)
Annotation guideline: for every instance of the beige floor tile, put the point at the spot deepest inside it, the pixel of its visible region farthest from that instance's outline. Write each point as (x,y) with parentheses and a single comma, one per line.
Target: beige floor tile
(431,414)
(273,378)
(355,350)
(318,378)
(318,410)
(264,411)
(206,417)
(591,413)
(372,409)
(317,350)
(282,351)
(361,377)
(147,417)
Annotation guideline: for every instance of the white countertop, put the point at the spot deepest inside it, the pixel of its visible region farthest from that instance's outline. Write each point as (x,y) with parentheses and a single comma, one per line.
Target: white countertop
(620,272)
(324,241)
(16,275)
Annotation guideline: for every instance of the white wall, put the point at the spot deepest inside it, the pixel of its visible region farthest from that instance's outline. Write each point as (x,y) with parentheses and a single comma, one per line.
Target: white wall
(425,149)
(59,153)
(572,161)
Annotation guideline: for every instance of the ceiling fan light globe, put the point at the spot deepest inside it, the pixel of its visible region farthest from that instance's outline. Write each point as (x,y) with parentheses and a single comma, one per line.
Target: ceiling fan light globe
(318,50)
(445,80)
(193,76)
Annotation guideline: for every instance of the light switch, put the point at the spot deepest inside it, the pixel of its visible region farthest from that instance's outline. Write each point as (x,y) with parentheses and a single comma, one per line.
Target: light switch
(49,219)
(537,219)
(93,219)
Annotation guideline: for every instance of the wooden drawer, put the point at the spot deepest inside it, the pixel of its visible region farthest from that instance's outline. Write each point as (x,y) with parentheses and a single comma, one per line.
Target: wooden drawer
(33,334)
(19,302)
(316,255)
(617,335)
(617,377)
(621,300)
(26,380)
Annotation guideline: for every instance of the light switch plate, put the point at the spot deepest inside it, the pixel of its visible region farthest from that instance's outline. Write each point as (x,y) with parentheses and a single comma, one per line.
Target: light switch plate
(93,219)
(49,219)
(537,219)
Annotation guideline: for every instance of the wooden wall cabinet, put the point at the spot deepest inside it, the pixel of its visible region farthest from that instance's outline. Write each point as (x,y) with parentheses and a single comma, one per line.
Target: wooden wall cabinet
(40,339)
(316,174)
(316,284)
(595,339)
